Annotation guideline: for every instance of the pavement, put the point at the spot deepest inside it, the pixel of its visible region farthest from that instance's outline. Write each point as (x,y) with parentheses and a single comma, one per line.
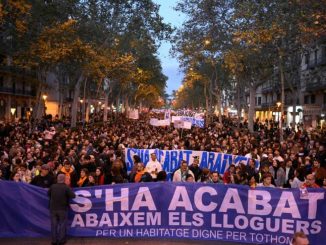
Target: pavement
(111,241)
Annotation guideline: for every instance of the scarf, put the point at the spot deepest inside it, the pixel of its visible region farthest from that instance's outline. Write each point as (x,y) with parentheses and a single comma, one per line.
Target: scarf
(138,176)
(67,173)
(81,181)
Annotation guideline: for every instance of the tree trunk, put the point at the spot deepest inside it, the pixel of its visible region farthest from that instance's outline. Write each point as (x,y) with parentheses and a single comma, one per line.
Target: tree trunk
(118,103)
(83,114)
(206,104)
(39,108)
(251,113)
(126,104)
(219,105)
(238,104)
(105,111)
(74,106)
(282,96)
(60,105)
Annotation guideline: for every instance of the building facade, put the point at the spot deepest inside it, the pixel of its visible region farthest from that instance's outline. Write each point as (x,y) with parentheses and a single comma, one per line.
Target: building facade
(313,83)
(17,94)
(307,96)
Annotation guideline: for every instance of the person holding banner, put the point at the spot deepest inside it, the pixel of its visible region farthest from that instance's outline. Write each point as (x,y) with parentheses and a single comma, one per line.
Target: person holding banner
(194,167)
(59,194)
(140,175)
(153,167)
(181,174)
(267,181)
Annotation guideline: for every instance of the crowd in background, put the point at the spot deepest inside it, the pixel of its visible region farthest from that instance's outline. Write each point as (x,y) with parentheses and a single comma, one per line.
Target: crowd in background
(93,154)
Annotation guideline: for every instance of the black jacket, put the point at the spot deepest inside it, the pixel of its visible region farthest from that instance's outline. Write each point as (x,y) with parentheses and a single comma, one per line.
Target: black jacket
(43,181)
(60,194)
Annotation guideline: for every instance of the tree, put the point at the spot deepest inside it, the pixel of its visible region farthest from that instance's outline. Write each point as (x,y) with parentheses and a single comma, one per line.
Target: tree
(200,42)
(92,41)
(281,26)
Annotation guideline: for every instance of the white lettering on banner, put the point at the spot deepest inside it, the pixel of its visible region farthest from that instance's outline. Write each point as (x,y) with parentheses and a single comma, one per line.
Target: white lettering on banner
(256,223)
(180,192)
(105,220)
(199,199)
(270,223)
(287,226)
(144,193)
(313,199)
(123,199)
(258,201)
(177,219)
(117,219)
(81,198)
(287,198)
(205,207)
(241,222)
(236,204)
(263,202)
(212,234)
(316,227)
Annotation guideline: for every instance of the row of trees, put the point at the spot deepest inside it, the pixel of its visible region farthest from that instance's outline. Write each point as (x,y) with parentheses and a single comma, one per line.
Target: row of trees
(94,45)
(232,46)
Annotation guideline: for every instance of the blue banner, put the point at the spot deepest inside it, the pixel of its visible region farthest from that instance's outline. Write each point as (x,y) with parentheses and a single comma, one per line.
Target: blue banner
(171,159)
(197,122)
(170,210)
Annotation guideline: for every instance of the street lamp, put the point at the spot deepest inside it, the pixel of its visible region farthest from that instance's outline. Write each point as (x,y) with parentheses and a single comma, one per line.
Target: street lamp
(278,109)
(44,96)
(207,42)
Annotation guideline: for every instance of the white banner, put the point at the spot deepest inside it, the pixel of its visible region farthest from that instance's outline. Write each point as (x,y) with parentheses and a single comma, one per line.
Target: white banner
(182,124)
(133,114)
(158,123)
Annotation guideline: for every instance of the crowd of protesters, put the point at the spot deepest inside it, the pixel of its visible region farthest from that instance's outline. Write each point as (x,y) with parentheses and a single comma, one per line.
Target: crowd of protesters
(93,154)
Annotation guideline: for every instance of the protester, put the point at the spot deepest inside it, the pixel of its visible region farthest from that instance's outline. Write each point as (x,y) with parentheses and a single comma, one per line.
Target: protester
(299,238)
(141,175)
(91,180)
(69,172)
(153,166)
(59,194)
(99,176)
(16,177)
(102,146)
(228,175)
(181,174)
(194,167)
(83,180)
(278,173)
(215,178)
(252,181)
(319,172)
(161,176)
(267,181)
(190,178)
(310,182)
(289,173)
(44,179)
